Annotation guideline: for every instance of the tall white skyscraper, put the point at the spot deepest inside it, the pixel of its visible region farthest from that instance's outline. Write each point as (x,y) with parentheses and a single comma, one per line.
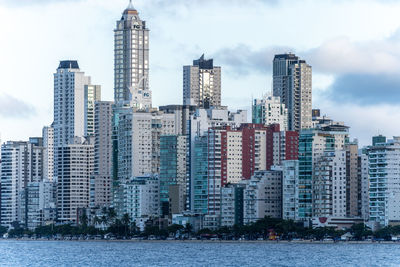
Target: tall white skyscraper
(202,83)
(69,102)
(292,82)
(74,98)
(131,60)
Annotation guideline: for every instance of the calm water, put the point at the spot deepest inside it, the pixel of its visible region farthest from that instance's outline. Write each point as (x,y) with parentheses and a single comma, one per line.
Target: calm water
(54,253)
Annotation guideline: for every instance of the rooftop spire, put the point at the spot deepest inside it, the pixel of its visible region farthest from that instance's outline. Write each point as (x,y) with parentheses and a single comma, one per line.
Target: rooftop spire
(130,10)
(130,6)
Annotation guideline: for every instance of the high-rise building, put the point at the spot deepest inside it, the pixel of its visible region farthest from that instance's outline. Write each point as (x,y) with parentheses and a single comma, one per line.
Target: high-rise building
(199,178)
(101,184)
(270,110)
(138,138)
(313,143)
(182,115)
(92,94)
(75,166)
(292,82)
(172,173)
(232,205)
(290,189)
(22,163)
(198,125)
(353,181)
(40,199)
(202,83)
(69,102)
(131,60)
(48,154)
(364,177)
(384,186)
(329,184)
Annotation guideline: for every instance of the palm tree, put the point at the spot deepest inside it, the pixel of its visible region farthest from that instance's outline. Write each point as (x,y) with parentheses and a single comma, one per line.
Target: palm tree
(188,228)
(126,220)
(83,220)
(111,214)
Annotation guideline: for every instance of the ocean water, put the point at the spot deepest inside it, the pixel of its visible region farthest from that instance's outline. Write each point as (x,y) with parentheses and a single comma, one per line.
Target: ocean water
(103,253)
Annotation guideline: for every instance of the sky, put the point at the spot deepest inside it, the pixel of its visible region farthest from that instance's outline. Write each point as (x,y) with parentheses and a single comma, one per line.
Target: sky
(353,47)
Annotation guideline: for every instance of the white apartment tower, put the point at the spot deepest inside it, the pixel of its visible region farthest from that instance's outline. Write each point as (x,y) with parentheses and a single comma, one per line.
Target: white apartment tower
(384,182)
(292,82)
(48,154)
(75,165)
(69,102)
(202,83)
(131,60)
(21,164)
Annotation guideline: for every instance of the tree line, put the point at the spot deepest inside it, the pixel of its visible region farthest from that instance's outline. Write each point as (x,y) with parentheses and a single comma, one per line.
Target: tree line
(125,228)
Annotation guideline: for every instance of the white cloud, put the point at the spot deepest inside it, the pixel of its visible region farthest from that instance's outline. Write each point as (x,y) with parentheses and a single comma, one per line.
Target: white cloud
(365,121)
(37,36)
(340,55)
(11,107)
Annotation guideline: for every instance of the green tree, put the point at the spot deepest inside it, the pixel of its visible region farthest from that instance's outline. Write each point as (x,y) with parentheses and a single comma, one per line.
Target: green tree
(360,231)
(173,228)
(126,221)
(3,230)
(83,220)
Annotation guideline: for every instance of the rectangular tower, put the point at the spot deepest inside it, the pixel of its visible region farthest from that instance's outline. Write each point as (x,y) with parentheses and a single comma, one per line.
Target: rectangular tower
(75,165)
(131,60)
(202,83)
(69,102)
(102,184)
(292,82)
(92,94)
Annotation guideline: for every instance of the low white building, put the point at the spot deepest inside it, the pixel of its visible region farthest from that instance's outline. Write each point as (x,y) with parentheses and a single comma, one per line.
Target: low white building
(232,204)
(141,197)
(40,204)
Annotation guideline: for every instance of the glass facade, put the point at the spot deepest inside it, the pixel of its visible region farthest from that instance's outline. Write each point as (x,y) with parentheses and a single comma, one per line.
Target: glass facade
(200,178)
(168,168)
(305,174)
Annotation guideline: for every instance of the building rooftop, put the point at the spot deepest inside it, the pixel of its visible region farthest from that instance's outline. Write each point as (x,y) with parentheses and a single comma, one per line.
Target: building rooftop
(203,63)
(68,64)
(286,56)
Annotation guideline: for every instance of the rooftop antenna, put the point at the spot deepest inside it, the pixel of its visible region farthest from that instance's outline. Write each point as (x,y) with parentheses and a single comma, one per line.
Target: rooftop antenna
(130,6)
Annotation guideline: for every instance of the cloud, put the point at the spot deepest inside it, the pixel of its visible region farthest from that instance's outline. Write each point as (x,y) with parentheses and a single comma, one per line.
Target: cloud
(365,89)
(11,107)
(20,3)
(337,56)
(364,121)
(244,60)
(340,56)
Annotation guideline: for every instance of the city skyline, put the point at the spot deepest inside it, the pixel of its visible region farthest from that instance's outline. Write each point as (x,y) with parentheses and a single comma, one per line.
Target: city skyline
(369,60)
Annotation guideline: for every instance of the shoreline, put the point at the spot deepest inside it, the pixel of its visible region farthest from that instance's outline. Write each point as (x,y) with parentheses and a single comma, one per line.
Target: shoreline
(210,241)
